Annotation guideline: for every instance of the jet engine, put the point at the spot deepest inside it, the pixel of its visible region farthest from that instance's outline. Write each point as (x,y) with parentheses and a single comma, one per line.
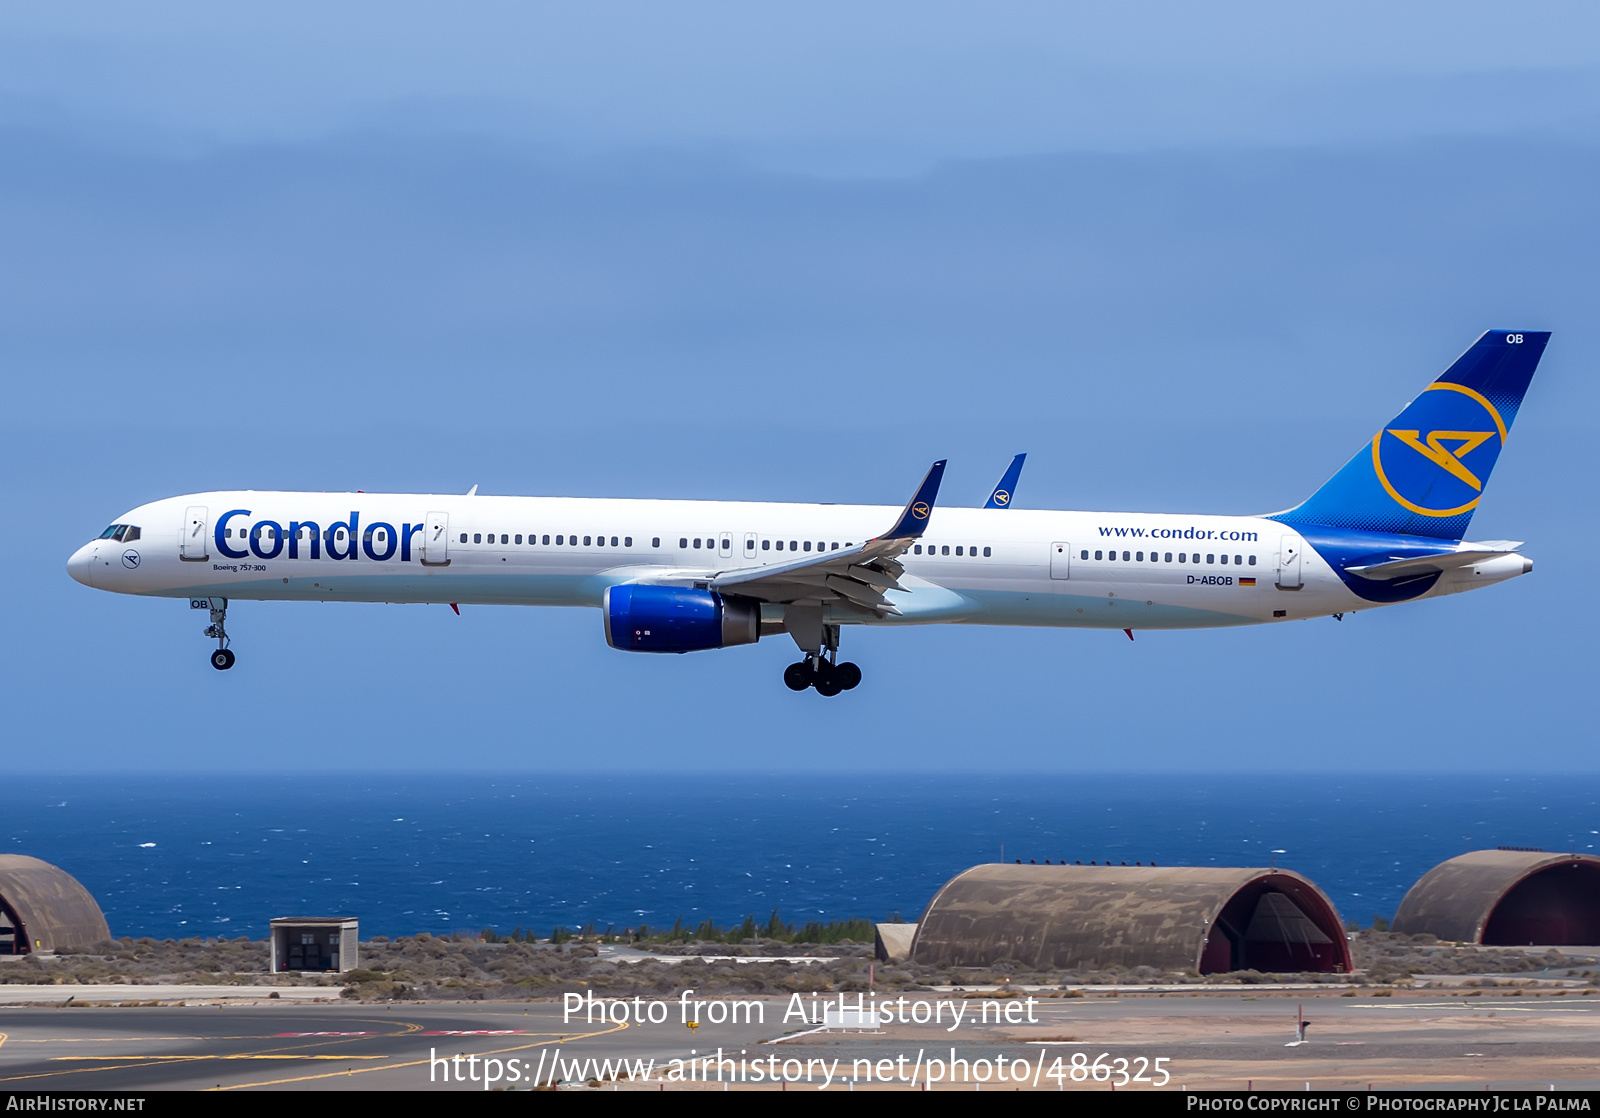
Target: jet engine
(677,619)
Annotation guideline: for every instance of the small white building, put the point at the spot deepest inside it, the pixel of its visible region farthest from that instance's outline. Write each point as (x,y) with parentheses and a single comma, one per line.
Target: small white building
(315,943)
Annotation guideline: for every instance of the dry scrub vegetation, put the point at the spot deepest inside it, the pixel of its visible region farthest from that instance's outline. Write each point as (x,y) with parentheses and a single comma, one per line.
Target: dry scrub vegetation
(468,967)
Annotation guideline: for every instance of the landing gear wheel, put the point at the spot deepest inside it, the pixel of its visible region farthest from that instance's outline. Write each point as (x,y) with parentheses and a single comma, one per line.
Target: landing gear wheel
(222,659)
(827,680)
(847,675)
(797,677)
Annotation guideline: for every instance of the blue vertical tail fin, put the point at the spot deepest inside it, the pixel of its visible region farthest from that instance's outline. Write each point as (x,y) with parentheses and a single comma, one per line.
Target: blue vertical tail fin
(1423,473)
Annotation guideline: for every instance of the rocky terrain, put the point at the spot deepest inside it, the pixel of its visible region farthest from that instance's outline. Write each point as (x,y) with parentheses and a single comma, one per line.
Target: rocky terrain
(466,966)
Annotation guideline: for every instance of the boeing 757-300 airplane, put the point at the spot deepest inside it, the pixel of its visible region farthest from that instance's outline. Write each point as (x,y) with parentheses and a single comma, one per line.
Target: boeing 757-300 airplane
(683,576)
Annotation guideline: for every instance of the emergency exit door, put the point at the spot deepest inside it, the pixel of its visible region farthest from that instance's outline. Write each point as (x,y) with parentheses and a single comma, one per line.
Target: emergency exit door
(1289,563)
(436,540)
(1061,560)
(195,540)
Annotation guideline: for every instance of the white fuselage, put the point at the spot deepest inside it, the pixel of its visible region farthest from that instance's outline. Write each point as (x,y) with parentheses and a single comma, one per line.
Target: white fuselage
(974,566)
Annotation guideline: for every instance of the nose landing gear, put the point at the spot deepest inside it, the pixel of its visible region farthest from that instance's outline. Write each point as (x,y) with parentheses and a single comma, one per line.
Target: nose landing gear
(222,658)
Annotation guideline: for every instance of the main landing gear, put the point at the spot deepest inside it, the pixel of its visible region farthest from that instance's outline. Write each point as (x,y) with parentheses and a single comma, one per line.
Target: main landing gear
(828,678)
(820,668)
(222,658)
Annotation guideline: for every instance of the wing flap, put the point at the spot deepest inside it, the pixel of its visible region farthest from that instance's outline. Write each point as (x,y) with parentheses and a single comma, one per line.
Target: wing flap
(856,575)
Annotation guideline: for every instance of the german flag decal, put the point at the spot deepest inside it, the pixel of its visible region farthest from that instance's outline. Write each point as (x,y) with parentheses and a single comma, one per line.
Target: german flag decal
(1247,582)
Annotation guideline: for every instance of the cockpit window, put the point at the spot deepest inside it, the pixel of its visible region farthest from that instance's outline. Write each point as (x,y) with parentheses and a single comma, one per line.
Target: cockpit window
(111,532)
(122,533)
(131,534)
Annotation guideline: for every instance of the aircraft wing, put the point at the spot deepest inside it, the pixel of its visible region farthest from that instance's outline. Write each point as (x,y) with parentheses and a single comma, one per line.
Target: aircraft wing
(1006,491)
(1467,555)
(856,576)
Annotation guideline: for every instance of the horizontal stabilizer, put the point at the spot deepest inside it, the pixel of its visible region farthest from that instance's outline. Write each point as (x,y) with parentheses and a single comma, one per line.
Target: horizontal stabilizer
(1467,555)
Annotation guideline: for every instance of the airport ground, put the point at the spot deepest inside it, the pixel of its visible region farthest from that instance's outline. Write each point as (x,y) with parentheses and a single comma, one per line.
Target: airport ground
(1538,1035)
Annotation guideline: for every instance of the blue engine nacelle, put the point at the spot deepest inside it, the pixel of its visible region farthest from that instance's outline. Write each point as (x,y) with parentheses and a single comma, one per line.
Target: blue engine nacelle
(677,619)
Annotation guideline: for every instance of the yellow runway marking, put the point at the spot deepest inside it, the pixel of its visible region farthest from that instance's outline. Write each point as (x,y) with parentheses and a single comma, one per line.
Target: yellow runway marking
(239,1056)
(414,1063)
(116,1039)
(406,1027)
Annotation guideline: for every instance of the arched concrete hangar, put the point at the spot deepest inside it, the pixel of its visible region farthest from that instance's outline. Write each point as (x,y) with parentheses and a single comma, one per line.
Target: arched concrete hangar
(43,908)
(1508,897)
(1209,919)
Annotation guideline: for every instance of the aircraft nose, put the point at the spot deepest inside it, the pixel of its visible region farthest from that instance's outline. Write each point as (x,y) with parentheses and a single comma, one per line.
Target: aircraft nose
(81,565)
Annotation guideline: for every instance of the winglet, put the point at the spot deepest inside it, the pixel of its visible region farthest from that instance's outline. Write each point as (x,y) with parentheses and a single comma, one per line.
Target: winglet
(914,520)
(1001,497)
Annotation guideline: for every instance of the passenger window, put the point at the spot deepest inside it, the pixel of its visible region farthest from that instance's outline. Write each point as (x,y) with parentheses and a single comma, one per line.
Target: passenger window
(1124,556)
(614,542)
(766,545)
(519,537)
(1084,554)
(585,540)
(547,538)
(835,546)
(1169,557)
(1098,555)
(683,541)
(560,540)
(1252,560)
(944,549)
(808,545)
(916,549)
(477,537)
(958,549)
(1224,560)
(794,545)
(340,535)
(655,541)
(1237,559)
(697,541)
(1139,556)
(1183,557)
(986,553)
(627,541)
(1211,558)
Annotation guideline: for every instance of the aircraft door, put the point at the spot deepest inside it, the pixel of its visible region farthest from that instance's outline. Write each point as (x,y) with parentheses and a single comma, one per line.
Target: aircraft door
(749,545)
(1289,563)
(195,542)
(1061,560)
(436,540)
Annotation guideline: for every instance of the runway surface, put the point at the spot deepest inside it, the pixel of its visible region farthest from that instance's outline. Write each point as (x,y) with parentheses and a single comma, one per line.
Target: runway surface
(1203,1041)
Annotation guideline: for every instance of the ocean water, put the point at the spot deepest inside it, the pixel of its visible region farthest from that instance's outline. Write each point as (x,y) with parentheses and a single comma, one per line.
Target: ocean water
(220,856)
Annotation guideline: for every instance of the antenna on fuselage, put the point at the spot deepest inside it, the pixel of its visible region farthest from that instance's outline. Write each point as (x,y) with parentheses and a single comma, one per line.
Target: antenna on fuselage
(473,492)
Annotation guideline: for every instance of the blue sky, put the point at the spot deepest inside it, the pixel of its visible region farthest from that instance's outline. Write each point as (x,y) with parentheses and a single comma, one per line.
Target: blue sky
(1186,258)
